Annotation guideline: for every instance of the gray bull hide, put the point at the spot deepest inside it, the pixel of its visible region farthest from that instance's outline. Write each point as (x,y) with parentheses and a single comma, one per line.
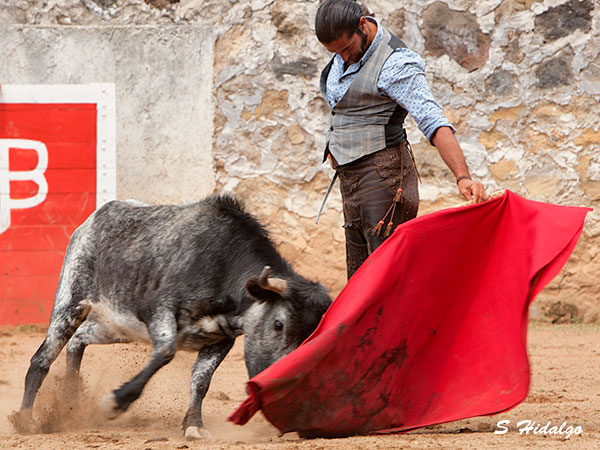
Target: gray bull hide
(189,277)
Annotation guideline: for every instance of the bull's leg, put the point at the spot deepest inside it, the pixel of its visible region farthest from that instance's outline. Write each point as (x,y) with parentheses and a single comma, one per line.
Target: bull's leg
(60,331)
(163,331)
(64,323)
(90,332)
(206,363)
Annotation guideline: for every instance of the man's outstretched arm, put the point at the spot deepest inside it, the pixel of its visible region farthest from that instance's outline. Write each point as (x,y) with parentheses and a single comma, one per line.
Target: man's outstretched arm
(450,151)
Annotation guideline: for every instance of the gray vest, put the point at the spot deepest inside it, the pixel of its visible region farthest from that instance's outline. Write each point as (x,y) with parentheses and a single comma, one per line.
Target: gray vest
(364,121)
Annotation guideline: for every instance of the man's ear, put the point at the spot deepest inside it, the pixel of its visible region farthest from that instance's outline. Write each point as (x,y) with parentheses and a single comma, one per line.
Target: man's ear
(362,24)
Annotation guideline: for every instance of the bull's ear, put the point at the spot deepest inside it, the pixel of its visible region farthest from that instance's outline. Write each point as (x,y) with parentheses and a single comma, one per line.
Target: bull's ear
(278,285)
(260,293)
(265,288)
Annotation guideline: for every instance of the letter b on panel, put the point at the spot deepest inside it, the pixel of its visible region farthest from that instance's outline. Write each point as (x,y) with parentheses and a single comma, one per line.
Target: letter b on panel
(35,175)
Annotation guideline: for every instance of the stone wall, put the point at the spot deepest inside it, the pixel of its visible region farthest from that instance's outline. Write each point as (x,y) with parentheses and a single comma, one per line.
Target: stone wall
(519,79)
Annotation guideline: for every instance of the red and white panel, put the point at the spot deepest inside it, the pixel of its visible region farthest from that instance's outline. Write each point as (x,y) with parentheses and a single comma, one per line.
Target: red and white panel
(57,165)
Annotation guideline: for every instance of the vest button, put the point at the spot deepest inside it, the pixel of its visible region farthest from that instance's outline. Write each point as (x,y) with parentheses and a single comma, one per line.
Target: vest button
(330,128)
(333,113)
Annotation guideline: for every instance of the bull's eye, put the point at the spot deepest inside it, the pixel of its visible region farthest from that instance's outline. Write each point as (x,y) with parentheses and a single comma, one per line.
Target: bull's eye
(278,325)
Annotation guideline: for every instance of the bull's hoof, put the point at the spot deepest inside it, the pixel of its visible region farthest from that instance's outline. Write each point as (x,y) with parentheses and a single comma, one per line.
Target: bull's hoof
(197,433)
(109,407)
(23,422)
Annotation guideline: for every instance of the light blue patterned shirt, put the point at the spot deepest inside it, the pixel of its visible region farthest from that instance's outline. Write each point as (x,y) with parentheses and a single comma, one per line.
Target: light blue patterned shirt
(402,78)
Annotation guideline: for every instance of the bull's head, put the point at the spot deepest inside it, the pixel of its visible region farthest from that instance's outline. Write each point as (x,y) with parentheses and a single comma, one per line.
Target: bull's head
(286,312)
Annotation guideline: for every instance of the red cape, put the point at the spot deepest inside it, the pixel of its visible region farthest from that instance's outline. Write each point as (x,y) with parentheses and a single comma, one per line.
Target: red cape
(431,328)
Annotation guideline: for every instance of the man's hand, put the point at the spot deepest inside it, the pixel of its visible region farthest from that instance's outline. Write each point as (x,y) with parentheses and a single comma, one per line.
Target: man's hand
(472,190)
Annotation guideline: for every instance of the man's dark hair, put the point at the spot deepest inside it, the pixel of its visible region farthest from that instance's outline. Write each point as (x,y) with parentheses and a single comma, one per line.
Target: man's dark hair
(337,18)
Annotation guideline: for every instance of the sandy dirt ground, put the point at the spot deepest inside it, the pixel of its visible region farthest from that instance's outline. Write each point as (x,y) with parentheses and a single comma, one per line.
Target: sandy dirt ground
(565,364)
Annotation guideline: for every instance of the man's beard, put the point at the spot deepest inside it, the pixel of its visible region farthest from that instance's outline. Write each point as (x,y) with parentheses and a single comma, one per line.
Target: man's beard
(363,42)
(363,48)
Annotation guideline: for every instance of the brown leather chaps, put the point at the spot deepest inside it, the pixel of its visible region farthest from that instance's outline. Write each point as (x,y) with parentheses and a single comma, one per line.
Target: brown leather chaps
(368,186)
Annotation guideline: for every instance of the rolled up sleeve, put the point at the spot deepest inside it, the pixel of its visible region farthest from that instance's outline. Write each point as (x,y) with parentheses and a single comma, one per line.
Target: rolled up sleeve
(402,78)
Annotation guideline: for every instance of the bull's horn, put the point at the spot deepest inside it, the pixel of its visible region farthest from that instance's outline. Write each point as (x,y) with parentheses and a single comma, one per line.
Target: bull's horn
(264,276)
(278,285)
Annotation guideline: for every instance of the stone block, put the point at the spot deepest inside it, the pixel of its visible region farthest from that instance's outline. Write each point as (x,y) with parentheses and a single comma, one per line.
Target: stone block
(305,67)
(541,186)
(509,114)
(591,189)
(291,23)
(456,34)
(491,139)
(396,22)
(588,137)
(565,19)
(503,169)
(295,134)
(274,105)
(554,72)
(501,83)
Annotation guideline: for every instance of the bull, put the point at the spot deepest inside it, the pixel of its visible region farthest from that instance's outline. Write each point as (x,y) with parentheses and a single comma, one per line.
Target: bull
(181,277)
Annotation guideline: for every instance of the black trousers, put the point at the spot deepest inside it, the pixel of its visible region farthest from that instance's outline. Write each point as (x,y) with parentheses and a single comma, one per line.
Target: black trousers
(368,186)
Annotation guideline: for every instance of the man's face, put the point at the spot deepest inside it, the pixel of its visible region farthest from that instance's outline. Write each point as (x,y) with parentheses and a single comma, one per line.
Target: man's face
(350,48)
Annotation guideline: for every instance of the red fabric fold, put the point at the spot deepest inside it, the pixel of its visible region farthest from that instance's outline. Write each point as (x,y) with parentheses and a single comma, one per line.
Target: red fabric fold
(246,410)
(432,327)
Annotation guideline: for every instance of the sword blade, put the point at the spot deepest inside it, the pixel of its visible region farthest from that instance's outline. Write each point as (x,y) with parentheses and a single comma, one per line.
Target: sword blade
(335,175)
